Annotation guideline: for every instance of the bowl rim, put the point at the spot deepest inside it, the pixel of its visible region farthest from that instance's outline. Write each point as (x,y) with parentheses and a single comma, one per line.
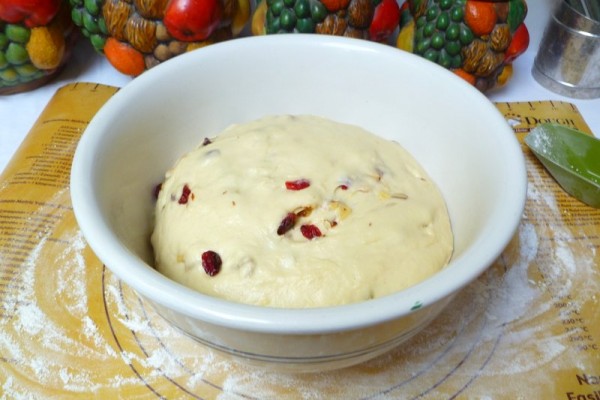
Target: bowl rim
(146,281)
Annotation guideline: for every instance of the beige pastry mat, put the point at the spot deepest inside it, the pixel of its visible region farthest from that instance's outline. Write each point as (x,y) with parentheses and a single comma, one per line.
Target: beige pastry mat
(528,328)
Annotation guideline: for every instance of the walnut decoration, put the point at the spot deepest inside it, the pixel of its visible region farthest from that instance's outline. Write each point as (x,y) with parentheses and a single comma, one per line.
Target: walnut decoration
(136,35)
(373,20)
(477,39)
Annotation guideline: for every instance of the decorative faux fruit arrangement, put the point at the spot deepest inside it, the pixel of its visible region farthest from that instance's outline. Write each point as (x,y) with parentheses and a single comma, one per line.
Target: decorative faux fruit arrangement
(36,37)
(373,20)
(136,35)
(477,39)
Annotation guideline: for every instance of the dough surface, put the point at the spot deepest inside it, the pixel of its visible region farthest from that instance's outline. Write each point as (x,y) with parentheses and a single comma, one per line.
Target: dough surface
(302,212)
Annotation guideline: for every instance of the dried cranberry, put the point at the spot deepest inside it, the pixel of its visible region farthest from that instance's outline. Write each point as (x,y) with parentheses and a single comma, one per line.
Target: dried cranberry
(298,184)
(343,187)
(185,194)
(206,142)
(310,231)
(286,223)
(211,262)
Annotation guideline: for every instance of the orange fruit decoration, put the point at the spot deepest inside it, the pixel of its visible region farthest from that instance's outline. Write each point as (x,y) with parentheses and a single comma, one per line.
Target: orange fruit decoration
(124,57)
(465,75)
(480,17)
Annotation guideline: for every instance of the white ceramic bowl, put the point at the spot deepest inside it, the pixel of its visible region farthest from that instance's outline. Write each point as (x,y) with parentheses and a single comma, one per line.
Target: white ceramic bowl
(451,128)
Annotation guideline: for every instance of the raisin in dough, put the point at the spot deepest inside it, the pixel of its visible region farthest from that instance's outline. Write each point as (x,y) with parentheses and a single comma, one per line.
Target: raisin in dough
(300,211)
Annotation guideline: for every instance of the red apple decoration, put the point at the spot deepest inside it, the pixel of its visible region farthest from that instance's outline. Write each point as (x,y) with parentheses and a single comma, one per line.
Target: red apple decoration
(192,20)
(518,44)
(385,20)
(31,13)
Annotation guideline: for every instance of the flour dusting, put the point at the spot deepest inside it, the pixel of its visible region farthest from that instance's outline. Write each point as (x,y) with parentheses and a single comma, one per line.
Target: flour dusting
(73,329)
(51,331)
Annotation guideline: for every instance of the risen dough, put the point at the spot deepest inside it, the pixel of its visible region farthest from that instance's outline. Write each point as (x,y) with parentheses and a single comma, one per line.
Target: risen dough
(382,222)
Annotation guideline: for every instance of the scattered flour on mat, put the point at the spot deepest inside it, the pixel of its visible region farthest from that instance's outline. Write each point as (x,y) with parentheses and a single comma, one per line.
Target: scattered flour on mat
(513,298)
(73,269)
(566,263)
(500,306)
(515,312)
(36,342)
(192,359)
(499,299)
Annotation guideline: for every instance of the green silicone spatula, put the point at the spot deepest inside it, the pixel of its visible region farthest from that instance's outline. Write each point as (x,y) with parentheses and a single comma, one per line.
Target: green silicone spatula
(572,158)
